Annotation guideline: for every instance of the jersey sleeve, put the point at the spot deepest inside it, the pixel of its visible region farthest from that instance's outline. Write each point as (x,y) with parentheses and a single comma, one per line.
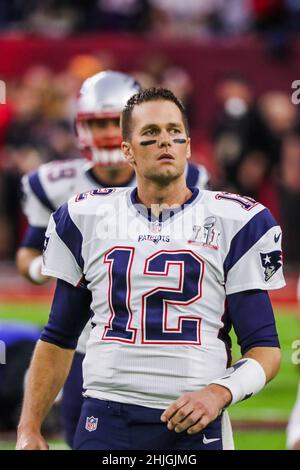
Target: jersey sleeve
(34,238)
(254,259)
(62,256)
(83,338)
(252,317)
(36,211)
(70,311)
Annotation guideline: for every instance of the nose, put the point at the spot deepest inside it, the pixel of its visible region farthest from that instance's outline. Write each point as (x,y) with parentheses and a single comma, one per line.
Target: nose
(164,139)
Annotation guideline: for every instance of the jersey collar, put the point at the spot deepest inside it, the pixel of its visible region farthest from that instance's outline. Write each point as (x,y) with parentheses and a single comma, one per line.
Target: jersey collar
(166,214)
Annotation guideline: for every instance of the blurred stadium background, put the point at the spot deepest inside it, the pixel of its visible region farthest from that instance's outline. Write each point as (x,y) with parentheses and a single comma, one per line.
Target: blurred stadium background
(233,63)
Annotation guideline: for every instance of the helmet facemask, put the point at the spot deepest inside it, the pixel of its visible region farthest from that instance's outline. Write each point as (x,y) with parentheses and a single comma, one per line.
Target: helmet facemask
(102,150)
(102,97)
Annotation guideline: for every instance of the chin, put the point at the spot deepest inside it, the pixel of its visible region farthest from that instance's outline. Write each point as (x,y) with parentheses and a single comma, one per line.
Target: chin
(164,177)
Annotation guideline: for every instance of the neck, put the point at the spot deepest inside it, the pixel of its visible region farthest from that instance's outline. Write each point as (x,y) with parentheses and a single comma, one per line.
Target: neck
(173,194)
(113,176)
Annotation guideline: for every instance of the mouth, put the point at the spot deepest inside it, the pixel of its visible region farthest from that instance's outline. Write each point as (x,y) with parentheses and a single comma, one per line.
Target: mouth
(166,157)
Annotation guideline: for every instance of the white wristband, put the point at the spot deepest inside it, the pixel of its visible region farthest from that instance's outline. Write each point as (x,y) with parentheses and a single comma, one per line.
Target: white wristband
(244,379)
(35,270)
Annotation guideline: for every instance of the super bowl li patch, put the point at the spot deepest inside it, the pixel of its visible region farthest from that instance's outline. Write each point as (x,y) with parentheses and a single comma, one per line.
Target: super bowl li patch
(91,423)
(271,262)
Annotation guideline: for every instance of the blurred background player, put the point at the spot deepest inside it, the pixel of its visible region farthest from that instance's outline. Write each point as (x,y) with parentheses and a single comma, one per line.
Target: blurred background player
(293,427)
(99,105)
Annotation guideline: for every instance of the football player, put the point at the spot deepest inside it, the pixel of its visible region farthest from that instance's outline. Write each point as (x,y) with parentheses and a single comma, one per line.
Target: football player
(99,105)
(166,270)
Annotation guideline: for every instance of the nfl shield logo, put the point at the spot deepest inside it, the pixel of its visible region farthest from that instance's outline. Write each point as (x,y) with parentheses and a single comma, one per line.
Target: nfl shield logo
(91,423)
(156,226)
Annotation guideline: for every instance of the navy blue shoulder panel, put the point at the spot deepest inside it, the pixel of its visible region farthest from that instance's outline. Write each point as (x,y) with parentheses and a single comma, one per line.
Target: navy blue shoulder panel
(38,190)
(247,237)
(192,176)
(69,233)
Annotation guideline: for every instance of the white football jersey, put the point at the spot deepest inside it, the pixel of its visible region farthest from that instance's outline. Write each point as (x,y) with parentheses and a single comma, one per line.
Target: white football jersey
(159,286)
(46,189)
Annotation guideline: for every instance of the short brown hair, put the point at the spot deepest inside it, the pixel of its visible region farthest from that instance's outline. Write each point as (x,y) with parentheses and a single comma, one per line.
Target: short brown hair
(150,94)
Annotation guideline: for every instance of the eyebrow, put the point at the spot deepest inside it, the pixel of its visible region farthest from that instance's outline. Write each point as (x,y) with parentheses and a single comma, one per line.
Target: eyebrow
(156,126)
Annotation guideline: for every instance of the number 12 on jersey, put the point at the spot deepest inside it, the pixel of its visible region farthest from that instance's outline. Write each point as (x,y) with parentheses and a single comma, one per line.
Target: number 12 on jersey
(155,302)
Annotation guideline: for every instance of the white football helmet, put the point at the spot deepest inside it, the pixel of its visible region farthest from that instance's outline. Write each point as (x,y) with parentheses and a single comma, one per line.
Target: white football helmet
(103,96)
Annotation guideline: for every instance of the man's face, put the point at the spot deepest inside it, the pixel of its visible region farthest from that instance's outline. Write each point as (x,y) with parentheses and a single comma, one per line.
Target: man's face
(159,145)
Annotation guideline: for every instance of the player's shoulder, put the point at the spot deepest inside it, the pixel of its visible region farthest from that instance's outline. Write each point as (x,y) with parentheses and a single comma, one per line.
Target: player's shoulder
(197,176)
(54,181)
(58,170)
(55,172)
(236,208)
(88,202)
(197,168)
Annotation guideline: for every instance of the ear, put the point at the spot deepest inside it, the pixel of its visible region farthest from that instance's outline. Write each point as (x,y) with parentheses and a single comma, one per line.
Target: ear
(188,149)
(127,151)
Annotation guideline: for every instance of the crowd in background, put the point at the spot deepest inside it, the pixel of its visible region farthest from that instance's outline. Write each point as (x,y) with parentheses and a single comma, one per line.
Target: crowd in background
(253,147)
(197,18)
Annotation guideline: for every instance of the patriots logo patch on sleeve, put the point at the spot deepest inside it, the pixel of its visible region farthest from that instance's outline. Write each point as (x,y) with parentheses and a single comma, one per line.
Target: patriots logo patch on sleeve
(271,262)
